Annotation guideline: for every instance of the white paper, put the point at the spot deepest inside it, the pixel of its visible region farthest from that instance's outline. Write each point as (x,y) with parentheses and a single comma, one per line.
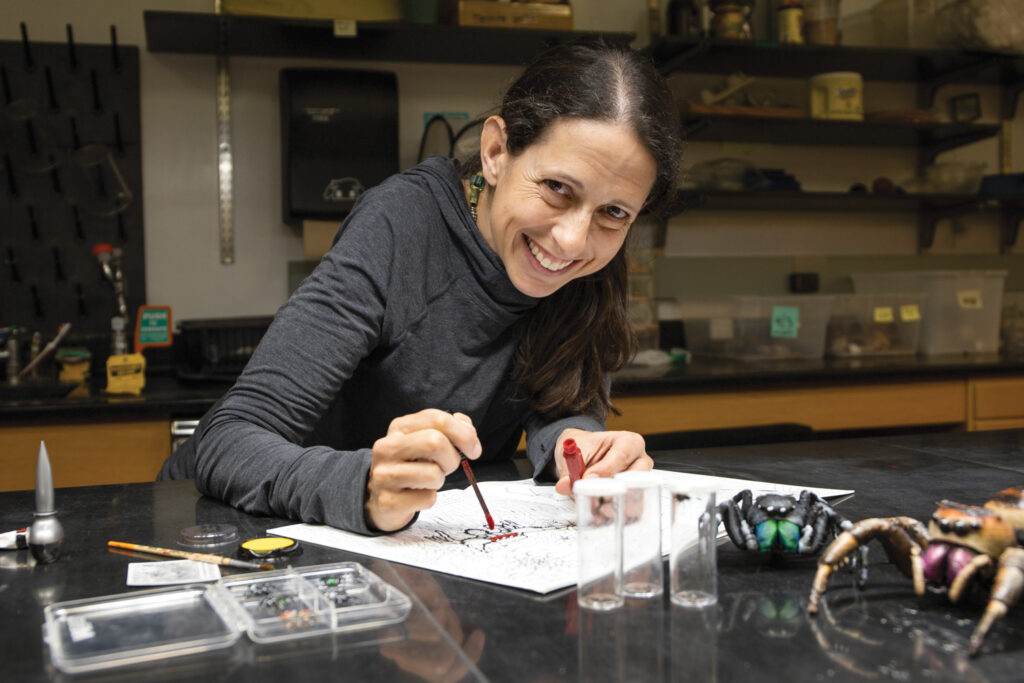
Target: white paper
(170,572)
(452,537)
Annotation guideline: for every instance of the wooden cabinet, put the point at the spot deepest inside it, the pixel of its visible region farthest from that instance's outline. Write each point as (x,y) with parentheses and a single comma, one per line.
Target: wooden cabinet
(84,452)
(822,408)
(996,403)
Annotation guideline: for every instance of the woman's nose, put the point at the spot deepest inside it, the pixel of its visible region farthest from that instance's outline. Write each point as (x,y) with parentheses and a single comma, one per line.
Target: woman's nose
(571,232)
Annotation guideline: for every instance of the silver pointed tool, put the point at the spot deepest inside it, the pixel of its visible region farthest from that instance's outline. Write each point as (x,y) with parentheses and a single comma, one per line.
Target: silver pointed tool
(46,535)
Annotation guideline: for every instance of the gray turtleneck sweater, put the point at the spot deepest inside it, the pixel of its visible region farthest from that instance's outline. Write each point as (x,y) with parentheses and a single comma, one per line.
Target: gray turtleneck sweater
(410,309)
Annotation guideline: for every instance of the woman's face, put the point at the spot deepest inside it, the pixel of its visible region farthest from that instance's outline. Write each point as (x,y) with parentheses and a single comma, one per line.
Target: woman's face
(561,208)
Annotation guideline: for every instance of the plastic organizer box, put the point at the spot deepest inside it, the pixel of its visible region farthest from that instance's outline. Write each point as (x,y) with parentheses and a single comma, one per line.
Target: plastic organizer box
(270,606)
(875,324)
(964,306)
(757,327)
(217,349)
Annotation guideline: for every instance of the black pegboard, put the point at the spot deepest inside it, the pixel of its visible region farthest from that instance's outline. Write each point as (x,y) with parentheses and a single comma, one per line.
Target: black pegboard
(70,115)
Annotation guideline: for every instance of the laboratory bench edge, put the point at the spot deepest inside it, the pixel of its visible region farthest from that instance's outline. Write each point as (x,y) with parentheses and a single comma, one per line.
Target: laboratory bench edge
(461,629)
(95,438)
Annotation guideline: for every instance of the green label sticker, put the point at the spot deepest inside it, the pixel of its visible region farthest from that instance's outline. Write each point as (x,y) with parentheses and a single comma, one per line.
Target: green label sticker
(153,327)
(785,322)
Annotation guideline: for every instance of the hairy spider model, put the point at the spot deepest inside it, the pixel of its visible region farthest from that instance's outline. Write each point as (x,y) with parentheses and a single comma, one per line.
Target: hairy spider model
(964,545)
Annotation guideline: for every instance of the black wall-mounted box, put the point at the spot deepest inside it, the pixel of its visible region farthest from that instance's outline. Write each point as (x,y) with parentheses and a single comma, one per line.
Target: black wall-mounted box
(339,137)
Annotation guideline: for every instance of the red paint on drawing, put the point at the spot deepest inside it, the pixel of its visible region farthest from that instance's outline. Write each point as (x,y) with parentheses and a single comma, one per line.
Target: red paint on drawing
(501,536)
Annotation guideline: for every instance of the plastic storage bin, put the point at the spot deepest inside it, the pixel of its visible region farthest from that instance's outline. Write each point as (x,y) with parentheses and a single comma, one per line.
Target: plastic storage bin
(1013,324)
(964,306)
(875,324)
(120,630)
(756,327)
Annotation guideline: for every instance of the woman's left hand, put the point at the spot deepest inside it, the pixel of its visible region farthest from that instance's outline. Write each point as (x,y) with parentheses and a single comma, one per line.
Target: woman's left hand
(604,454)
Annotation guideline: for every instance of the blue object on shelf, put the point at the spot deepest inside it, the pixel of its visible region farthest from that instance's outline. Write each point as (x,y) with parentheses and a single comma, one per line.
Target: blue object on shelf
(1005,184)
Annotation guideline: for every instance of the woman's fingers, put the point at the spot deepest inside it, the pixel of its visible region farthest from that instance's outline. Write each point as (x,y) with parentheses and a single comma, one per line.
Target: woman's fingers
(605,454)
(456,427)
(411,462)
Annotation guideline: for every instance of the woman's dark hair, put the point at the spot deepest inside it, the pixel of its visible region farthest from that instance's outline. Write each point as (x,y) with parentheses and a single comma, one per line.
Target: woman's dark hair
(581,332)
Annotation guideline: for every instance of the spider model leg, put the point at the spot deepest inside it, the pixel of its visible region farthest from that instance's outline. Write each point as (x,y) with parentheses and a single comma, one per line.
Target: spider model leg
(902,538)
(734,517)
(823,521)
(956,589)
(1006,590)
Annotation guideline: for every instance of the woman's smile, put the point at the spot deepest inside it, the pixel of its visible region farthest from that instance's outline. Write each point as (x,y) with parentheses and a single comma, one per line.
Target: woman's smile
(546,260)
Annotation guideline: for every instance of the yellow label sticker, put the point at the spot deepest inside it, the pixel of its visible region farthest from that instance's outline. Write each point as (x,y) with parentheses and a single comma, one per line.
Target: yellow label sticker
(345,28)
(969,298)
(910,313)
(883,314)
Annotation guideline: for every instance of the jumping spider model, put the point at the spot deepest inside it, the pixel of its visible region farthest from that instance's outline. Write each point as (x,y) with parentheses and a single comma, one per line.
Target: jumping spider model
(780,524)
(963,545)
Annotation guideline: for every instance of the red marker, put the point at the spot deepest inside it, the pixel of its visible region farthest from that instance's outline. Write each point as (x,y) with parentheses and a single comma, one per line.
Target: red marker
(573,460)
(476,489)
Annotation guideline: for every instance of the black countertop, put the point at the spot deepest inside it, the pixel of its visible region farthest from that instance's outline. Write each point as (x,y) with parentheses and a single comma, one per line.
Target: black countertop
(466,630)
(165,394)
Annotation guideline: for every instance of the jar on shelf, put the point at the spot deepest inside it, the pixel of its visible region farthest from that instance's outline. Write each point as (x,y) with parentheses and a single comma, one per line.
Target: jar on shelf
(821,22)
(731,21)
(791,22)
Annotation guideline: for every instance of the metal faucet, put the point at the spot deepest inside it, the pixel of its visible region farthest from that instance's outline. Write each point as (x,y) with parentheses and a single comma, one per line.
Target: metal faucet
(109,258)
(11,354)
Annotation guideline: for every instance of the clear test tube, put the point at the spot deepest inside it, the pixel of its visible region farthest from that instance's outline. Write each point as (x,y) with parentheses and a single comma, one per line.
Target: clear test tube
(642,573)
(599,538)
(693,565)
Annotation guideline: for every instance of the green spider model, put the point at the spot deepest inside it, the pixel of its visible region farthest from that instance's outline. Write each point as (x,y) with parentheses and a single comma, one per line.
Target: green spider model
(781,524)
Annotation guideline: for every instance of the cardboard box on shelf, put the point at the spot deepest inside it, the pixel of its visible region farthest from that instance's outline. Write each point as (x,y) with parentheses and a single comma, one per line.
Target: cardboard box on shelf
(358,10)
(544,15)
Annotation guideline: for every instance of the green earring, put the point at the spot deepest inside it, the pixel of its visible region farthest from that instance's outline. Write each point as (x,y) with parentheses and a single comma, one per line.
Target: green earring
(476,186)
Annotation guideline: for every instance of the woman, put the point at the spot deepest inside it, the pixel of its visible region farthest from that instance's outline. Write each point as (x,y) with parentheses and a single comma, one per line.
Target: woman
(456,307)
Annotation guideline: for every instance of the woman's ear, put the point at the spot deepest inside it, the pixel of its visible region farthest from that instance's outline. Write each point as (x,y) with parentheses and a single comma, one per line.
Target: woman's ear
(493,149)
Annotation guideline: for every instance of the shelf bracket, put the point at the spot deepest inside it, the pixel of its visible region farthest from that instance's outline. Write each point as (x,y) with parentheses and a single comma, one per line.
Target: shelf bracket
(1010,228)
(928,88)
(693,127)
(1011,93)
(676,62)
(930,151)
(930,214)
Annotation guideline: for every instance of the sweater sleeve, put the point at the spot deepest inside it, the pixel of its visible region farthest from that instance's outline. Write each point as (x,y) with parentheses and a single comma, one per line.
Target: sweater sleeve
(249,449)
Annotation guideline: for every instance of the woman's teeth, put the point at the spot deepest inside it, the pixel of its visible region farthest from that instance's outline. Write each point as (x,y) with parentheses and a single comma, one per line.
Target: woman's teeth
(551,264)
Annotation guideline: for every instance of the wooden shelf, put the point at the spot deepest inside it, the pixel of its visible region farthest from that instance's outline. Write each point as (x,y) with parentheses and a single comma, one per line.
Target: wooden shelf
(801,61)
(206,33)
(793,131)
(786,200)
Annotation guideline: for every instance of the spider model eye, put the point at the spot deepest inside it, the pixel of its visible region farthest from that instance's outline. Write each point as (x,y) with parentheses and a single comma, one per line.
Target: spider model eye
(961,528)
(944,524)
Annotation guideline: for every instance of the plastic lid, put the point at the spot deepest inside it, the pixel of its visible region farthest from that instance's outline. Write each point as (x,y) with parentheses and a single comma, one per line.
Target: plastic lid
(597,486)
(637,480)
(207,536)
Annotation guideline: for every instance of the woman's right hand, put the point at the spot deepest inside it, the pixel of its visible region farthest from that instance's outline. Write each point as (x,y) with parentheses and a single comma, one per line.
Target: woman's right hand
(411,462)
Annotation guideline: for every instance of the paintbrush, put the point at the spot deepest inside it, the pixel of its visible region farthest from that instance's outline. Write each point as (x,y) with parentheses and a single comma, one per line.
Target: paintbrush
(198,557)
(476,489)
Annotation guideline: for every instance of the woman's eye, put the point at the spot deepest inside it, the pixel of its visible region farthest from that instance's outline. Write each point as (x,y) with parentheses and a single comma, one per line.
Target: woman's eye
(555,186)
(617,213)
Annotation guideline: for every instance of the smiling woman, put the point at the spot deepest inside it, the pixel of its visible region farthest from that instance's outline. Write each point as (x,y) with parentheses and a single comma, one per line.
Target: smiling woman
(460,304)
